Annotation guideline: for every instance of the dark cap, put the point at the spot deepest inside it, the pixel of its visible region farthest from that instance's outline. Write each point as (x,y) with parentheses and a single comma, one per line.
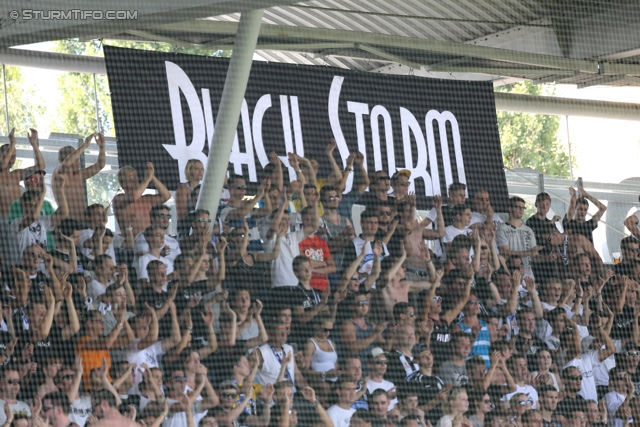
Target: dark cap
(419,348)
(30,172)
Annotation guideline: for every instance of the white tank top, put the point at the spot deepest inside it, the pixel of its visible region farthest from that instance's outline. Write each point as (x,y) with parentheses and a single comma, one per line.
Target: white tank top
(323,361)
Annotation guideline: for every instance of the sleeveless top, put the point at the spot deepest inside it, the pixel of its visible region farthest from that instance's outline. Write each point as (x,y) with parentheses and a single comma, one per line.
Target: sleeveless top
(360,335)
(271,364)
(323,361)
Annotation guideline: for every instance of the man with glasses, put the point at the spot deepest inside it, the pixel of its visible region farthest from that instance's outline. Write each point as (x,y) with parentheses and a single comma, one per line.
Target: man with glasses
(476,328)
(160,216)
(483,213)
(618,399)
(9,389)
(400,184)
(628,359)
(378,363)
(378,195)
(385,216)
(68,381)
(572,379)
(56,409)
(514,238)
(341,412)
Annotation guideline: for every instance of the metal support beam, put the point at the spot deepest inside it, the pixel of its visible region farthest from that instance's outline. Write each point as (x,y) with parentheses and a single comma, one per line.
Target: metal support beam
(388,56)
(503,71)
(235,86)
(566,106)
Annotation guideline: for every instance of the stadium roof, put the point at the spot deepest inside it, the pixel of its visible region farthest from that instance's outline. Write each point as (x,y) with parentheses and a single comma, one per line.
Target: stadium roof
(583,42)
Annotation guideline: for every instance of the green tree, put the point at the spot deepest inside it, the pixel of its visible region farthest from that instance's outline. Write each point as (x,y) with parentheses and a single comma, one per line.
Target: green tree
(24,103)
(531,140)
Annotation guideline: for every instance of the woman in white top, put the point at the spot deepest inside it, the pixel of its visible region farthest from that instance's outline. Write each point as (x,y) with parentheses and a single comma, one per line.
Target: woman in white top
(320,351)
(519,404)
(454,408)
(544,360)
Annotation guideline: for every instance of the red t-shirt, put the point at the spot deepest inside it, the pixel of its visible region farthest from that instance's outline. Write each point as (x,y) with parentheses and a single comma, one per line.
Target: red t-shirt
(316,249)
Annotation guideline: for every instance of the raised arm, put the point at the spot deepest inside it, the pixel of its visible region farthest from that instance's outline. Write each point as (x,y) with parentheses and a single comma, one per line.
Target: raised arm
(438,233)
(92,170)
(455,310)
(152,335)
(360,176)
(37,155)
(71,328)
(43,331)
(601,207)
(122,200)
(63,208)
(5,158)
(335,177)
(571,209)
(512,303)
(277,172)
(74,156)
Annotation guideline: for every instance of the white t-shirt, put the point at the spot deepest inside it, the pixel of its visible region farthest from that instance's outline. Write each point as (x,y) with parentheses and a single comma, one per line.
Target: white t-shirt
(585,364)
(518,239)
(148,355)
(477,217)
(95,289)
(613,400)
(601,369)
(144,260)
(34,233)
(18,408)
(340,417)
(80,410)
(140,246)
(281,270)
(450,233)
(528,390)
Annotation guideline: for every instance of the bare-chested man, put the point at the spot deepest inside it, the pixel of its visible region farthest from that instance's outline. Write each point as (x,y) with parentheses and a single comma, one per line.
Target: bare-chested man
(105,409)
(10,188)
(10,179)
(132,208)
(69,159)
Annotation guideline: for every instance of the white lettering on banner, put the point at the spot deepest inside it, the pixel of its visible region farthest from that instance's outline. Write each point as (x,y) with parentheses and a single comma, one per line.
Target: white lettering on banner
(442,119)
(377,112)
(411,126)
(424,165)
(179,81)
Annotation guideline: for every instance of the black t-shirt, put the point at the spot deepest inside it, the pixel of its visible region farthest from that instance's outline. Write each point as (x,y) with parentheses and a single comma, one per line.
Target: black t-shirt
(538,225)
(52,345)
(567,405)
(429,387)
(400,366)
(623,324)
(585,228)
(440,338)
(83,260)
(297,296)
(156,300)
(5,338)
(371,202)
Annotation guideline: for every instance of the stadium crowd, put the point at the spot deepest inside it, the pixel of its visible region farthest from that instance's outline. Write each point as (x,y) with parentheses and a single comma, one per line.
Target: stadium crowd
(272,312)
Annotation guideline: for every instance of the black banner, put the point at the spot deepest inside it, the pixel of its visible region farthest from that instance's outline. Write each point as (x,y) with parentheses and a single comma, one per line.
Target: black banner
(165,105)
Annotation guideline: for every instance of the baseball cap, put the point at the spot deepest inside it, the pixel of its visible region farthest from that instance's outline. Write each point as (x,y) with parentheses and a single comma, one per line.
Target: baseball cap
(30,172)
(405,172)
(377,351)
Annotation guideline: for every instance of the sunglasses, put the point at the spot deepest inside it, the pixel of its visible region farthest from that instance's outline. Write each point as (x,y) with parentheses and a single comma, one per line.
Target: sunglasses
(383,178)
(525,402)
(47,408)
(473,301)
(574,377)
(436,299)
(164,216)
(13,381)
(633,250)
(383,213)
(35,180)
(179,379)
(237,235)
(240,187)
(401,184)
(382,362)
(68,377)
(355,277)
(204,220)
(484,248)
(620,377)
(229,395)
(487,401)
(363,302)
(632,353)
(327,330)
(411,315)
(32,255)
(333,198)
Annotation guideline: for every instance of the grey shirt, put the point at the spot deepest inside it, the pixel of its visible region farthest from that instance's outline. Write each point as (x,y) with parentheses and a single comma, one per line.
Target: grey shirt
(452,374)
